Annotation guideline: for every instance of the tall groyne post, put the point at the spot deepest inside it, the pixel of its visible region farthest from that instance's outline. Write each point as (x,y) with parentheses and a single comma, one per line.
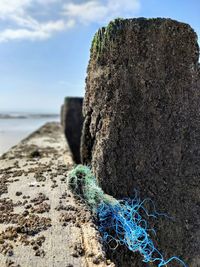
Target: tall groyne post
(142,124)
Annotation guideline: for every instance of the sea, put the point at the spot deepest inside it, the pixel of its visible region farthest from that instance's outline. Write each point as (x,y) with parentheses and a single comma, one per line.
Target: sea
(16,126)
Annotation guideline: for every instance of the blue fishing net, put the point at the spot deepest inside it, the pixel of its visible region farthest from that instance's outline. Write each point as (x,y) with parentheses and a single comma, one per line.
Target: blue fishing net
(123,221)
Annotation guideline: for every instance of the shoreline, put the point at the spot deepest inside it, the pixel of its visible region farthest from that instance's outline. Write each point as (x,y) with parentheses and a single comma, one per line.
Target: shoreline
(13,130)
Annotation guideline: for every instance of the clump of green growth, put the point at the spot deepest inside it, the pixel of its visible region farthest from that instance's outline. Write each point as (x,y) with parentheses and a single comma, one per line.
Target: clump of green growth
(105,36)
(83,183)
(98,41)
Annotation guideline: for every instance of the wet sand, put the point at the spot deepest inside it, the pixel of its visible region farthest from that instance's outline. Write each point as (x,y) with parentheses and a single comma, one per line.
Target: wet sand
(41,223)
(10,139)
(13,130)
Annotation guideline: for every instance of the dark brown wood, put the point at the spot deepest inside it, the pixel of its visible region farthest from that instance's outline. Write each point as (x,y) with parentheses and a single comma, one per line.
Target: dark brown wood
(142,124)
(72,121)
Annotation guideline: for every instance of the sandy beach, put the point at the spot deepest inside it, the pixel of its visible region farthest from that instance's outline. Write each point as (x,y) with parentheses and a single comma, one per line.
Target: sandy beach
(41,223)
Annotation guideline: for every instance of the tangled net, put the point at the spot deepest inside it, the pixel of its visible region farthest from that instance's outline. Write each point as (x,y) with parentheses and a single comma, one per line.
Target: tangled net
(121,221)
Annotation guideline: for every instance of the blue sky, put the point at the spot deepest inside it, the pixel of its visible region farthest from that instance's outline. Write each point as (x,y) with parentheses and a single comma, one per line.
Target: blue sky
(44,44)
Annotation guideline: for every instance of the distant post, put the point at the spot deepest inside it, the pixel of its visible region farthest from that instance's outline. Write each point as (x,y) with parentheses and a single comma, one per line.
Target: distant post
(72,121)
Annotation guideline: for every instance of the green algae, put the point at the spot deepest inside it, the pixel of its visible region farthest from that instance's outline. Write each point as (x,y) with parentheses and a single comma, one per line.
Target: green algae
(83,183)
(105,36)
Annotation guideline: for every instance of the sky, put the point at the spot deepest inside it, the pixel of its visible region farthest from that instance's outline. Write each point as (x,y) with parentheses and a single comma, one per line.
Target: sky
(45,44)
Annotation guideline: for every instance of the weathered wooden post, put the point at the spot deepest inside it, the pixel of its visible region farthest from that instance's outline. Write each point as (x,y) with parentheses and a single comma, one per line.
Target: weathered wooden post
(72,121)
(142,124)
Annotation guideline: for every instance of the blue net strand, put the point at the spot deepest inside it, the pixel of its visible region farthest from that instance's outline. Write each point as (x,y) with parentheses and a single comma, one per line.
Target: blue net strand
(122,222)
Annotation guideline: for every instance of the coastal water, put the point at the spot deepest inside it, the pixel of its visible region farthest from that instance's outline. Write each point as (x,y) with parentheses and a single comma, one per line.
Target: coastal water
(15,127)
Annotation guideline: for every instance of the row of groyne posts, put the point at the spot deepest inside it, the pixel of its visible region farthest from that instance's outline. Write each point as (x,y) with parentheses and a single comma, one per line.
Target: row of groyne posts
(138,126)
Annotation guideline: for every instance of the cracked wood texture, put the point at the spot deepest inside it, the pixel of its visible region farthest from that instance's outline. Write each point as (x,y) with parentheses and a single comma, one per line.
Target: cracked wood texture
(142,126)
(41,223)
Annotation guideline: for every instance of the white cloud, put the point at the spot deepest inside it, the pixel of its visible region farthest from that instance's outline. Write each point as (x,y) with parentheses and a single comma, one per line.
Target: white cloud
(8,8)
(47,2)
(101,11)
(10,34)
(42,32)
(60,16)
(24,25)
(86,12)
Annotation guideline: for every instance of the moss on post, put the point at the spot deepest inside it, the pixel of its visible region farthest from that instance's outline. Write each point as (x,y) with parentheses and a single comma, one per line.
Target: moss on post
(104,36)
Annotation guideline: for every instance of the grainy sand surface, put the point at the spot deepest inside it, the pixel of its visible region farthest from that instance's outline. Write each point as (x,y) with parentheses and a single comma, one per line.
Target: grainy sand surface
(41,223)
